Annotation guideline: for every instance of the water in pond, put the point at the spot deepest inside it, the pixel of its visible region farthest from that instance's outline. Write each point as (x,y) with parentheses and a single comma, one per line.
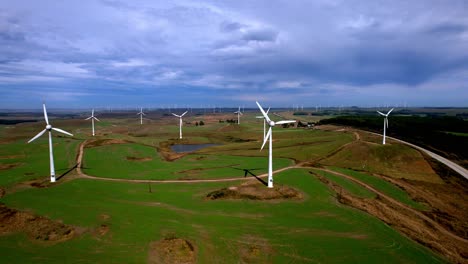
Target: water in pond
(189,148)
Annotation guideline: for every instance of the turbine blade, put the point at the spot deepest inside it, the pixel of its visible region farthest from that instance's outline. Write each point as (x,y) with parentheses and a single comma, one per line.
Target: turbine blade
(390,111)
(285,122)
(38,135)
(62,131)
(45,114)
(386,120)
(268,110)
(263,112)
(92,112)
(184,113)
(96,119)
(89,118)
(175,115)
(381,113)
(260,117)
(267,136)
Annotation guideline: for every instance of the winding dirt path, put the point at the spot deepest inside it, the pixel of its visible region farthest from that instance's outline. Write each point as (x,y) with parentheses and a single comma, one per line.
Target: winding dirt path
(81,174)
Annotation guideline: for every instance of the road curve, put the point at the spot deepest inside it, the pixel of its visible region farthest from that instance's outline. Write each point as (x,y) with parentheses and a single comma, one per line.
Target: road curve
(459,169)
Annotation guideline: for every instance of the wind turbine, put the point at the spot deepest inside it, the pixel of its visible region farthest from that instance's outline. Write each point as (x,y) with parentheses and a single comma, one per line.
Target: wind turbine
(264,121)
(180,123)
(141,115)
(239,113)
(269,137)
(92,117)
(385,123)
(51,152)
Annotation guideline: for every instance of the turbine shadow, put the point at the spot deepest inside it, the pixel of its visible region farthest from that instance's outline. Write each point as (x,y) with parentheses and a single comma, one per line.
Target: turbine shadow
(66,172)
(249,171)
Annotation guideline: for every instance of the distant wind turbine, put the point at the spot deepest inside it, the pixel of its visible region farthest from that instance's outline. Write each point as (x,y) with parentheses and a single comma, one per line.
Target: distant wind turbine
(385,123)
(180,122)
(269,137)
(239,113)
(141,115)
(49,128)
(92,117)
(264,121)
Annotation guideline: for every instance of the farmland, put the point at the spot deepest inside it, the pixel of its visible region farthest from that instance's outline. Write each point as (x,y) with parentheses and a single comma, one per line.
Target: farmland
(131,205)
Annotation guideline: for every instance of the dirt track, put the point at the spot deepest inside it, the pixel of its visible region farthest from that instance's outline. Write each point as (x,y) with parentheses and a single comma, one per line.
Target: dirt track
(81,174)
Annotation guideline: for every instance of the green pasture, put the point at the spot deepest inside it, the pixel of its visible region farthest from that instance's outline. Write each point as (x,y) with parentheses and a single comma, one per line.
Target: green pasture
(317,229)
(115,161)
(31,161)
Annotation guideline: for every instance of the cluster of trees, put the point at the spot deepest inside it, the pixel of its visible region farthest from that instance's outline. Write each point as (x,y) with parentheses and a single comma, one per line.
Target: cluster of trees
(201,123)
(447,136)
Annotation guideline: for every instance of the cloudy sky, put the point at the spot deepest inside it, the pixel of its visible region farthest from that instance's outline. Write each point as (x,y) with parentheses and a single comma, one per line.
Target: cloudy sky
(227,53)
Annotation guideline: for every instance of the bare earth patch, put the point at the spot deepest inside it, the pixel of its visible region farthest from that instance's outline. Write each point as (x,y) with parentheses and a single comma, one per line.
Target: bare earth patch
(254,249)
(172,250)
(9,166)
(254,190)
(36,227)
(139,159)
(103,142)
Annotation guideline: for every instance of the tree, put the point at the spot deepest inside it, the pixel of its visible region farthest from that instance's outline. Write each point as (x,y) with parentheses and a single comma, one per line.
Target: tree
(202,123)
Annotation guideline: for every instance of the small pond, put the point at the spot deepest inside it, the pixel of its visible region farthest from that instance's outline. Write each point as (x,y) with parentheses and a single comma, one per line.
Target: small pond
(179,148)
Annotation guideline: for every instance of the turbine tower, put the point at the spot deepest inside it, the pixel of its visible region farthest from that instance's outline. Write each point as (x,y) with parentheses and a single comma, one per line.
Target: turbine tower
(92,117)
(264,121)
(49,128)
(180,122)
(239,113)
(141,115)
(385,123)
(269,137)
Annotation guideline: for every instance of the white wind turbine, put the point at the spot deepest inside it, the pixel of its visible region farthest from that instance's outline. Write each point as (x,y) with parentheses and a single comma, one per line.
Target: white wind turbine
(264,121)
(180,122)
(269,137)
(141,115)
(51,152)
(239,113)
(92,117)
(385,123)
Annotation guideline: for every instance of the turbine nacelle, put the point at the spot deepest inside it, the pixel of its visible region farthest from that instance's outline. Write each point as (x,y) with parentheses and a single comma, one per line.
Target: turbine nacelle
(48,127)
(271,123)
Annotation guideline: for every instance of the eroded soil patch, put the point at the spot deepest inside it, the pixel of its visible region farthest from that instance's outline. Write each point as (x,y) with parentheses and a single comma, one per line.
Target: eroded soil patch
(172,250)
(9,166)
(255,190)
(406,221)
(139,159)
(104,142)
(37,228)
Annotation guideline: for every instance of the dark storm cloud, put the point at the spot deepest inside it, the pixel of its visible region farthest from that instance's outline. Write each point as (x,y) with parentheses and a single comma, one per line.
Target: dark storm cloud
(344,52)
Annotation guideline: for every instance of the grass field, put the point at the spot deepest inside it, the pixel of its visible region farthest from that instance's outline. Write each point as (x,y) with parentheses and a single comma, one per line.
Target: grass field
(133,161)
(315,229)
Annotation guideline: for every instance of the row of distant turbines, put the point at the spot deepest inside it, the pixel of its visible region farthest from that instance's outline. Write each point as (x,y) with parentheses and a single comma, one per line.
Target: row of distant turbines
(267,136)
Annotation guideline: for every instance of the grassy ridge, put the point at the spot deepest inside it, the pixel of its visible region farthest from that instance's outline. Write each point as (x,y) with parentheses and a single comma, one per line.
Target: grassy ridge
(352,187)
(383,186)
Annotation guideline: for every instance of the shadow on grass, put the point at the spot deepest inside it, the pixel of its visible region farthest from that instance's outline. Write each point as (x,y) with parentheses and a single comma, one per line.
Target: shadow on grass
(66,172)
(249,171)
